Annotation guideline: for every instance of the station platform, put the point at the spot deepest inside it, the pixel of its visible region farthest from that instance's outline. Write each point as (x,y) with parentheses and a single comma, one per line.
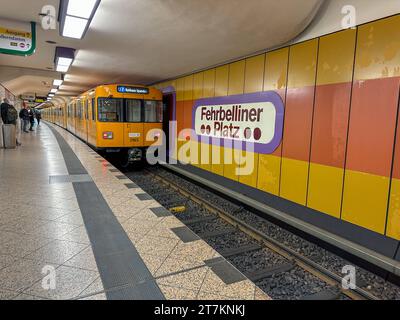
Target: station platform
(72,226)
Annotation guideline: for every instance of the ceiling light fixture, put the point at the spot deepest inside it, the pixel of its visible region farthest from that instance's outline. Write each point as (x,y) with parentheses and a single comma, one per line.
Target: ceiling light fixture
(64,58)
(57,83)
(75,17)
(53,90)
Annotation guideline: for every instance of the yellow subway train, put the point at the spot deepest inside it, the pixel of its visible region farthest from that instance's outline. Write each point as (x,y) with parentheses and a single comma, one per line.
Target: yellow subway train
(112,118)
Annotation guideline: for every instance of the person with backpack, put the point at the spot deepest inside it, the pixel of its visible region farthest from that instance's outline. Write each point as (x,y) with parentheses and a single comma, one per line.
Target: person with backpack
(38,116)
(11,117)
(3,109)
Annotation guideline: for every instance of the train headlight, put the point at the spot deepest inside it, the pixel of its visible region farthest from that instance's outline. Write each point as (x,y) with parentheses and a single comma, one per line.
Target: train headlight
(107,135)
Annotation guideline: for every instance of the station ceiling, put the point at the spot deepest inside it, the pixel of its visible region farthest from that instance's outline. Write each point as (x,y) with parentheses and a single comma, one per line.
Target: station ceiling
(144,41)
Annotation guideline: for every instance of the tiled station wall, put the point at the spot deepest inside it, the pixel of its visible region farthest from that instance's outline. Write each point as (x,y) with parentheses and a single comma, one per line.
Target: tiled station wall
(340,152)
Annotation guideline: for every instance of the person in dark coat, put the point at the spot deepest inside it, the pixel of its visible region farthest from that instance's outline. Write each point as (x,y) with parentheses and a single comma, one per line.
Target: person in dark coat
(31,118)
(24,115)
(38,116)
(11,117)
(3,109)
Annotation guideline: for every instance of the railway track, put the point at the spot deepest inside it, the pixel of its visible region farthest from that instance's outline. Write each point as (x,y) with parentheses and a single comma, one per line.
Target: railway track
(246,247)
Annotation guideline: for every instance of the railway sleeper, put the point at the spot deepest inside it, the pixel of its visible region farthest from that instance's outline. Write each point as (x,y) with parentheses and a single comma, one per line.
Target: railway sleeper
(332,293)
(269,272)
(217,233)
(199,220)
(240,250)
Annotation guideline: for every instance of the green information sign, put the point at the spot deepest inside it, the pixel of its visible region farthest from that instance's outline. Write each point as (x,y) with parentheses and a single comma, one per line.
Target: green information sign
(17,38)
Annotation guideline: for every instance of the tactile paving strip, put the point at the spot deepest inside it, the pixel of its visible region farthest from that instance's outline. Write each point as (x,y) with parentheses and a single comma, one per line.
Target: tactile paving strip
(132,185)
(185,234)
(224,270)
(123,273)
(144,196)
(70,178)
(161,212)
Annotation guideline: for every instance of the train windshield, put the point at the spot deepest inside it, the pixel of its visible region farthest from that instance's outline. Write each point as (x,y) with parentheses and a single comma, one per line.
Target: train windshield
(153,111)
(133,110)
(110,109)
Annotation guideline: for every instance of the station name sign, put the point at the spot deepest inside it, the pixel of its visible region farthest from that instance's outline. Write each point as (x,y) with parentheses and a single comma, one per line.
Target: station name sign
(255,118)
(17,38)
(136,90)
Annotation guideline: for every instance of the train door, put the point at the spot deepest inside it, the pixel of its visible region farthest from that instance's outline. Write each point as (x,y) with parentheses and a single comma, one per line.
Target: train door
(92,121)
(86,106)
(168,101)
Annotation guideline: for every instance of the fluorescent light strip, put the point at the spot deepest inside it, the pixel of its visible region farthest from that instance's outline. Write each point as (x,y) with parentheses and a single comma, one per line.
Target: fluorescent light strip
(81,8)
(53,90)
(62,68)
(74,27)
(57,82)
(64,61)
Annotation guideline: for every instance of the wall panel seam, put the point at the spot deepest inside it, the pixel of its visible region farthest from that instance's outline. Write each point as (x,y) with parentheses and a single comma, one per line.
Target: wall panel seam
(348,124)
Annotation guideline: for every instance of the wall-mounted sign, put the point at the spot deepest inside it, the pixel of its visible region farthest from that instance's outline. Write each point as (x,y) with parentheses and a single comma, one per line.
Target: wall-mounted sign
(40,99)
(17,38)
(255,118)
(136,90)
(28,97)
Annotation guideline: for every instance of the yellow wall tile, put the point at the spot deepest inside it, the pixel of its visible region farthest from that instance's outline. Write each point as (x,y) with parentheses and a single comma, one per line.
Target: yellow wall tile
(393,222)
(303,60)
(217,158)
(269,168)
(336,57)
(236,77)
(188,88)
(294,180)
(379,54)
(276,65)
(254,74)
(198,85)
(365,200)
(180,89)
(325,189)
(209,83)
(221,81)
(250,178)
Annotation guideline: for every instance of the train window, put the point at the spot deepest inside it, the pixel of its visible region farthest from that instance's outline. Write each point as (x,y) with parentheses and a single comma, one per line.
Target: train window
(86,110)
(78,109)
(133,110)
(153,111)
(110,109)
(93,110)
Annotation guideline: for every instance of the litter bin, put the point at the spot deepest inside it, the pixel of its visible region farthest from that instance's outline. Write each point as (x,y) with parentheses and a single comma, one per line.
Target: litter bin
(9,136)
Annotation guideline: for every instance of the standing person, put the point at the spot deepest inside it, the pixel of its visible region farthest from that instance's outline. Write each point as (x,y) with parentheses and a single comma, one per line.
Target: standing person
(38,116)
(4,108)
(11,117)
(31,118)
(21,114)
(24,115)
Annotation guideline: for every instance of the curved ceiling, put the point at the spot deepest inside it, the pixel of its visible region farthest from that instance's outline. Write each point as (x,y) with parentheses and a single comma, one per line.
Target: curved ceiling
(141,41)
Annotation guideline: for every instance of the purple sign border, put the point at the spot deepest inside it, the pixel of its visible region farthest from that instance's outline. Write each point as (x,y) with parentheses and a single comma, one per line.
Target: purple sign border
(267,96)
